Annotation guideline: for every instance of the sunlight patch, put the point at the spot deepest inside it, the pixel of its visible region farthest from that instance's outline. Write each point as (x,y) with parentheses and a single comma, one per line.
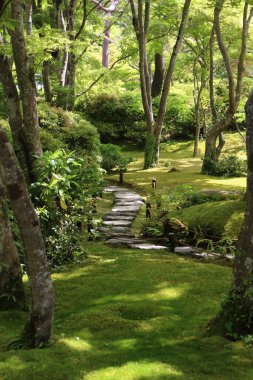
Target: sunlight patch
(76,343)
(135,371)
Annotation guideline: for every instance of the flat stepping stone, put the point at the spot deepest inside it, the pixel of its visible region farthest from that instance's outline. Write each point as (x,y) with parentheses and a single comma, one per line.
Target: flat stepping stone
(183,250)
(129,203)
(147,246)
(113,229)
(118,235)
(121,242)
(119,223)
(133,208)
(117,217)
(112,189)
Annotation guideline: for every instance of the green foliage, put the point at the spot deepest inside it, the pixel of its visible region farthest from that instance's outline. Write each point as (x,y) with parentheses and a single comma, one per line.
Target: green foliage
(118,118)
(68,130)
(228,166)
(63,195)
(49,141)
(112,158)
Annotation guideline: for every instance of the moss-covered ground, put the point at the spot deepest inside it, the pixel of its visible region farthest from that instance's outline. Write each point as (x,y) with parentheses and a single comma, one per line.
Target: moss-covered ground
(134,315)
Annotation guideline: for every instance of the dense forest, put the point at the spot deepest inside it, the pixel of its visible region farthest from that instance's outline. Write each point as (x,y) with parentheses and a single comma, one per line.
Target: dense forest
(126,132)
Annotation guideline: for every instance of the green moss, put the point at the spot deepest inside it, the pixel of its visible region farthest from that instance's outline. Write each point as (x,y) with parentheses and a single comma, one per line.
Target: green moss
(218,217)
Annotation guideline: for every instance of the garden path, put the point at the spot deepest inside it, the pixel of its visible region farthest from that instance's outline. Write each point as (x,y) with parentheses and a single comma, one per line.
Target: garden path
(116,226)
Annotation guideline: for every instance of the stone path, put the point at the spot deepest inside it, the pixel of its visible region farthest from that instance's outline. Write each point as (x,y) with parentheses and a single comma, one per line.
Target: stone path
(116,226)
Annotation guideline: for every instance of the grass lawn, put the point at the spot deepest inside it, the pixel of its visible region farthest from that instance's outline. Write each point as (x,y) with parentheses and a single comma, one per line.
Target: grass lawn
(179,154)
(135,315)
(132,315)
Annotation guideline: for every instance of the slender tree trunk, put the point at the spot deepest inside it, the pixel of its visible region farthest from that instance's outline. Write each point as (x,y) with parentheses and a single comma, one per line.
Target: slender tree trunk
(197,130)
(158,124)
(25,78)
(106,44)
(212,152)
(237,312)
(14,113)
(38,329)
(11,286)
(157,83)
(46,81)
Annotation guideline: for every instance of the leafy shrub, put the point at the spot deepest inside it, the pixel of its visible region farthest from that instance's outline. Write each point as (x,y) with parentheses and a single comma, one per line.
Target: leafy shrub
(65,129)
(228,166)
(117,118)
(64,195)
(112,157)
(82,136)
(49,141)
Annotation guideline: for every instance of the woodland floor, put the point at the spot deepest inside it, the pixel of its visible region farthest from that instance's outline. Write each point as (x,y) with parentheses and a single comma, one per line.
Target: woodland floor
(135,315)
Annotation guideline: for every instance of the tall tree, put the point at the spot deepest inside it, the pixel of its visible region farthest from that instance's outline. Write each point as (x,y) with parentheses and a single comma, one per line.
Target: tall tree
(38,329)
(11,286)
(141,19)
(212,152)
(26,83)
(236,317)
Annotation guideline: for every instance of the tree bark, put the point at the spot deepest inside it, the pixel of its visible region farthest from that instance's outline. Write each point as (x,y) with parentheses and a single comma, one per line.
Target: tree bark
(157,83)
(14,113)
(25,78)
(38,329)
(46,81)
(106,44)
(11,287)
(237,312)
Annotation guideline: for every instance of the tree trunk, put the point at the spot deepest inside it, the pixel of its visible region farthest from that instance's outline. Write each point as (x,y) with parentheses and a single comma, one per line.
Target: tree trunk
(152,150)
(25,78)
(212,151)
(14,113)
(106,44)
(46,81)
(38,330)
(237,312)
(157,83)
(11,286)
(197,130)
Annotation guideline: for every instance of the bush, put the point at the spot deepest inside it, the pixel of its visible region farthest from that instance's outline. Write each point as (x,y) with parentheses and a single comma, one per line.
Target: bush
(63,129)
(63,196)
(112,158)
(49,141)
(228,166)
(117,118)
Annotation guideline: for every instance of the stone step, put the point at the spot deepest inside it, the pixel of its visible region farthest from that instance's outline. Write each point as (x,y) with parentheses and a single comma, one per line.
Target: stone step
(132,208)
(121,242)
(113,229)
(117,223)
(117,217)
(147,246)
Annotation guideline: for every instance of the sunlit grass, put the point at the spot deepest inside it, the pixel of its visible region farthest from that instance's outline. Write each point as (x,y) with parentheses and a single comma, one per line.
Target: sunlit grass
(179,155)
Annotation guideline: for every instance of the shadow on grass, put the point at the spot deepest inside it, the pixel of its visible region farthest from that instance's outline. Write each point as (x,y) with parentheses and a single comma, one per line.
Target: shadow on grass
(134,315)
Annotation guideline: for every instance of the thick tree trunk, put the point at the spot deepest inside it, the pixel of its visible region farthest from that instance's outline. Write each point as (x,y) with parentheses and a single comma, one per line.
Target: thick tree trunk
(14,113)
(237,312)
(212,151)
(25,78)
(152,150)
(11,286)
(38,329)
(157,83)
